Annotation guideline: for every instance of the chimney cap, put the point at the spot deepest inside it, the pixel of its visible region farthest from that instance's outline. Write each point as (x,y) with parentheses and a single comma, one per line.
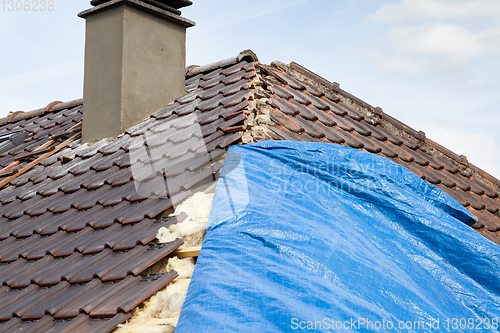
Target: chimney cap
(169,5)
(145,5)
(177,3)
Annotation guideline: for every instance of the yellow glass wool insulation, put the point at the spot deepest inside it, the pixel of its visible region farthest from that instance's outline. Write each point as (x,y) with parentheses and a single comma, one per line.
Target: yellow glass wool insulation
(197,207)
(168,303)
(145,326)
(184,267)
(191,232)
(192,229)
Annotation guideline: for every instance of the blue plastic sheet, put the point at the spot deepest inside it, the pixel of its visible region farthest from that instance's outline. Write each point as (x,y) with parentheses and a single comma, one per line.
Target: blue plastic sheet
(320,237)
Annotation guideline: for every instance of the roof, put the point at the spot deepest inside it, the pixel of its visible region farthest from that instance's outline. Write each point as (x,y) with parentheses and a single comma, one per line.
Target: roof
(75,231)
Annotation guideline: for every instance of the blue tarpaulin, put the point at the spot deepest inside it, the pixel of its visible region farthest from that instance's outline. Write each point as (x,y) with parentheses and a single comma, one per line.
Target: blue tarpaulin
(321,237)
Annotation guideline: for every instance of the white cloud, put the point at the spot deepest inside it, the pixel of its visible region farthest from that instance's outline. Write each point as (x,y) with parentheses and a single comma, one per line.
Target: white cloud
(411,10)
(440,36)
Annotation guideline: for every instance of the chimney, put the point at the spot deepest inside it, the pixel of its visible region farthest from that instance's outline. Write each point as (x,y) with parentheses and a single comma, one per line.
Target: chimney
(135,60)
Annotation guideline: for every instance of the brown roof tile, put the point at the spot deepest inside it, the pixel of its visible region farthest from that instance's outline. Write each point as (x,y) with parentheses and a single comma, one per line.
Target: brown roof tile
(310,128)
(76,219)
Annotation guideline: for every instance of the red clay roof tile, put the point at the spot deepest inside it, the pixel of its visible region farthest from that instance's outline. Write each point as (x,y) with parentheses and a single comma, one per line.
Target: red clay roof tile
(310,127)
(287,121)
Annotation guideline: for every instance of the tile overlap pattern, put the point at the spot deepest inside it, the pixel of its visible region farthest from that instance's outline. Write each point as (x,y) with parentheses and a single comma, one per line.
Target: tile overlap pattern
(75,232)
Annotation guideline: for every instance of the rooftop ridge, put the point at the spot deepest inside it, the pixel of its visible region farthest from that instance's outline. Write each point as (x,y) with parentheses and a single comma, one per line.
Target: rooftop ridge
(295,68)
(377,110)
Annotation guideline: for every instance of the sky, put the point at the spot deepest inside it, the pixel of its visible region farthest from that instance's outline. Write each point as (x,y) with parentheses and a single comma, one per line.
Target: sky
(432,64)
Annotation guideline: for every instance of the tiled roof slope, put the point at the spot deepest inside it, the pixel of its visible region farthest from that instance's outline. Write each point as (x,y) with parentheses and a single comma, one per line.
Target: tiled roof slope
(75,234)
(306,107)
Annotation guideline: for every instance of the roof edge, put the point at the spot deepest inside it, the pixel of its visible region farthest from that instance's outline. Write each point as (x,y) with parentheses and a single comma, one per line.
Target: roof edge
(420,135)
(377,110)
(51,107)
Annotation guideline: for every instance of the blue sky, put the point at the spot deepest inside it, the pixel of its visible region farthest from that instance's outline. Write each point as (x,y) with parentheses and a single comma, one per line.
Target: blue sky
(433,64)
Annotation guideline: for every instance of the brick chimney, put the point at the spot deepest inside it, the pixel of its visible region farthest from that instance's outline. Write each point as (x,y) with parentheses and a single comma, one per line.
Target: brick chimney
(135,59)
